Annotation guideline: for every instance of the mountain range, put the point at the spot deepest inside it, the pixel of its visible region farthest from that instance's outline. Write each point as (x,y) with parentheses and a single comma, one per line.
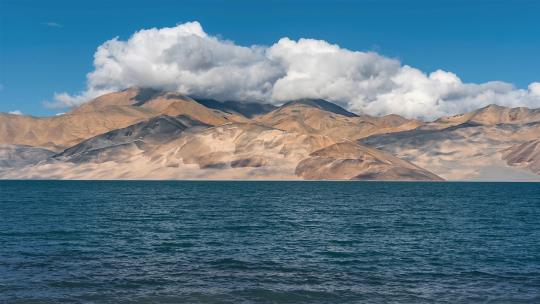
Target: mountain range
(150,134)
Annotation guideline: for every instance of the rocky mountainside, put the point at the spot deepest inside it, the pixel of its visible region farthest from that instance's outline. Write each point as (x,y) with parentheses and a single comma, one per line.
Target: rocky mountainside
(468,146)
(347,160)
(108,112)
(525,155)
(325,118)
(149,134)
(493,115)
(17,156)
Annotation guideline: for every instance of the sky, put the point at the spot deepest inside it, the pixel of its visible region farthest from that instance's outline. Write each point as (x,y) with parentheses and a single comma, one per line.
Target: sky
(457,47)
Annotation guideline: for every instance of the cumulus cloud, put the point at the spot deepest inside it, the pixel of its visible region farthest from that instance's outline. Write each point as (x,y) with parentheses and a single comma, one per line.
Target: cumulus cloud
(16,112)
(186,59)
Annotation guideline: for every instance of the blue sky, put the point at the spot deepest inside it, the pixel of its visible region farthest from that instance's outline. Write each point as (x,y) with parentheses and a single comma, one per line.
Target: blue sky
(48,46)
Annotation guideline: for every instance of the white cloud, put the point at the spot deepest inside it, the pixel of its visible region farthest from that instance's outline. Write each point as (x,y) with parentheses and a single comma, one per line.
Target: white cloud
(53,24)
(534,88)
(16,112)
(186,59)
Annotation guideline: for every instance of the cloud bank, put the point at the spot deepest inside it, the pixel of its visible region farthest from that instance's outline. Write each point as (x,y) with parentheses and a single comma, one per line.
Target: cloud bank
(186,59)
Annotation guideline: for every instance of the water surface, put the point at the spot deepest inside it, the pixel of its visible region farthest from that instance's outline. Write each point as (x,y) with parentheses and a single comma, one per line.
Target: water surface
(269,242)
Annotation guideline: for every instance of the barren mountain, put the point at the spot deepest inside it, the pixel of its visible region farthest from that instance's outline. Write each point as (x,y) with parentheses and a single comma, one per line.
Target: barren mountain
(347,160)
(230,151)
(491,115)
(108,112)
(525,155)
(167,147)
(59,132)
(149,134)
(143,135)
(467,146)
(16,156)
(246,109)
(325,118)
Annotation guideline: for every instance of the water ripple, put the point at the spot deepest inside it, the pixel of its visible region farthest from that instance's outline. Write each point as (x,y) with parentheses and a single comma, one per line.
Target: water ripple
(269,242)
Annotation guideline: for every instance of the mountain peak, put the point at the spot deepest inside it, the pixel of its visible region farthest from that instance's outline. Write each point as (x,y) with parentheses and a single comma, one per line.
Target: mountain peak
(493,107)
(320,104)
(148,133)
(142,95)
(495,114)
(247,109)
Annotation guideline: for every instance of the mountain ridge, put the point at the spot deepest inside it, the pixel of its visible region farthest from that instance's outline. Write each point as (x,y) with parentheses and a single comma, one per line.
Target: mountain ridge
(146,133)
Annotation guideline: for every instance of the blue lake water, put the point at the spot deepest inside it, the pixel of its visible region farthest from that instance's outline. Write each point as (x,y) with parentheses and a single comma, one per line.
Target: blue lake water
(269,242)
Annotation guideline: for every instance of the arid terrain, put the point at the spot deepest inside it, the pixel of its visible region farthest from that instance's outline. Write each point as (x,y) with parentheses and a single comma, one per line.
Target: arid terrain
(149,134)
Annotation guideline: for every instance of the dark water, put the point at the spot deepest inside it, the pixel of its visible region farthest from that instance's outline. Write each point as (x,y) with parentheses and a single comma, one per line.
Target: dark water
(269,242)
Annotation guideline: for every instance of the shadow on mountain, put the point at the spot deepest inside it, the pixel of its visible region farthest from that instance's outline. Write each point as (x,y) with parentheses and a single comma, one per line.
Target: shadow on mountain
(247,109)
(321,104)
(155,131)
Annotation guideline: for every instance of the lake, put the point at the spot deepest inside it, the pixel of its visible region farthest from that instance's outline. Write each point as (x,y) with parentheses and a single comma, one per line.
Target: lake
(269,242)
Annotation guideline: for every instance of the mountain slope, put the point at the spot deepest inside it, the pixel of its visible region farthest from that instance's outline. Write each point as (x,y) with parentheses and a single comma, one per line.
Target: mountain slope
(318,117)
(105,113)
(347,160)
(15,156)
(180,148)
(230,151)
(319,104)
(492,115)
(246,109)
(525,155)
(65,130)
(146,134)
(468,150)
